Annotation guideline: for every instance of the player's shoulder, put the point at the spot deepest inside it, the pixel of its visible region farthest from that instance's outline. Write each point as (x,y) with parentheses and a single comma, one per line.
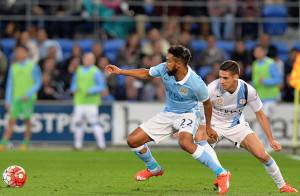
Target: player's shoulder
(161,66)
(249,86)
(194,79)
(214,85)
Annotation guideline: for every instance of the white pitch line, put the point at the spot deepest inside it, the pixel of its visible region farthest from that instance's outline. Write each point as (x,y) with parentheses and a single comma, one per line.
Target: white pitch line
(295,157)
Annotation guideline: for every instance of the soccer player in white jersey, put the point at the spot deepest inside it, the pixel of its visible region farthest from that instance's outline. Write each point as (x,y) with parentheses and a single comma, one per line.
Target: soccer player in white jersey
(229,96)
(184,89)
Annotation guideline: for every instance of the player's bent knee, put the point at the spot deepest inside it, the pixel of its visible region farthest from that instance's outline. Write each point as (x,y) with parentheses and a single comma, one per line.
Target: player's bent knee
(185,145)
(131,142)
(263,156)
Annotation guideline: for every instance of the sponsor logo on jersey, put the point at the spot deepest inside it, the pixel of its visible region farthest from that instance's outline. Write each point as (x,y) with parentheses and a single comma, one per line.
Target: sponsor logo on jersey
(242,101)
(219,101)
(183,90)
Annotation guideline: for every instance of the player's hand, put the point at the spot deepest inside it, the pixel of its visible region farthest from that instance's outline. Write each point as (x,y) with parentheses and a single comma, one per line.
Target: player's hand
(112,69)
(211,133)
(275,145)
(7,106)
(25,98)
(261,80)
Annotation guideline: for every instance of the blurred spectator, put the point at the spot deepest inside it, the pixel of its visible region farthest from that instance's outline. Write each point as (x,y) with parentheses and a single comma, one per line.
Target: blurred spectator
(3,71)
(143,12)
(97,50)
(107,9)
(50,78)
(220,10)
(87,84)
(154,36)
(66,75)
(76,53)
(265,41)
(171,30)
(11,30)
(275,9)
(44,44)
(288,90)
(131,52)
(153,89)
(24,80)
(47,91)
(33,50)
(241,55)
(110,80)
(185,39)
(249,10)
(212,54)
(266,79)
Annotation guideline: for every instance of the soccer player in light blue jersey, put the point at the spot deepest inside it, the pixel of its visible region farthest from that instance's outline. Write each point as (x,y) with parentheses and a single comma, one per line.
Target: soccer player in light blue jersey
(229,96)
(184,88)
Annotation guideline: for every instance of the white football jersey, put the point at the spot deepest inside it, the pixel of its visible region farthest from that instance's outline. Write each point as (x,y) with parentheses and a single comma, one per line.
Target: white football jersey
(228,108)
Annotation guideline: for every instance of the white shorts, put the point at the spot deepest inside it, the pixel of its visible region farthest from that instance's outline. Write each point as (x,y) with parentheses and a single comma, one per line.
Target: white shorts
(85,113)
(235,134)
(164,124)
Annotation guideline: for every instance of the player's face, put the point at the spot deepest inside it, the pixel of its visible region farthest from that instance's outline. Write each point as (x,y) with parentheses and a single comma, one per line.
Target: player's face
(227,80)
(21,54)
(171,65)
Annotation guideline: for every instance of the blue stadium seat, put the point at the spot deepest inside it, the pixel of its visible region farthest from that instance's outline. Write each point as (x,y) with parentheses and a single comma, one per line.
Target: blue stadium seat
(250,44)
(278,12)
(113,45)
(297,46)
(8,46)
(284,57)
(111,55)
(198,45)
(282,47)
(86,44)
(66,46)
(227,46)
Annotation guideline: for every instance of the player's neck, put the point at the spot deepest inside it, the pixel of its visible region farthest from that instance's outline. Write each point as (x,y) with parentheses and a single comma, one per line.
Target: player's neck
(233,87)
(180,74)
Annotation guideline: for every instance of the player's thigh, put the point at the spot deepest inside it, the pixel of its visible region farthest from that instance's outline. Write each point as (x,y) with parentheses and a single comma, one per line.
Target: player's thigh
(186,122)
(27,109)
(236,134)
(91,114)
(138,138)
(253,144)
(15,109)
(78,115)
(159,126)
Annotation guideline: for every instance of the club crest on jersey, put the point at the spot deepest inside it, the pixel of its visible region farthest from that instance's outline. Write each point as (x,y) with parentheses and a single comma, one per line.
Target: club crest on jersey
(242,101)
(220,101)
(183,90)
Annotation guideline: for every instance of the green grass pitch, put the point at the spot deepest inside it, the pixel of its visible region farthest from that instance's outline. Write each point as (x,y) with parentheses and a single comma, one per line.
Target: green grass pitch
(111,173)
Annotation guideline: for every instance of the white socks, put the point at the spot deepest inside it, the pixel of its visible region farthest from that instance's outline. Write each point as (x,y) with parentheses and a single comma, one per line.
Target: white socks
(274,171)
(78,138)
(99,135)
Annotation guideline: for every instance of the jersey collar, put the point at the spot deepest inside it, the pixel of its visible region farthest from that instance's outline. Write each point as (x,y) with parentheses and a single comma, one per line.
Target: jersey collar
(186,77)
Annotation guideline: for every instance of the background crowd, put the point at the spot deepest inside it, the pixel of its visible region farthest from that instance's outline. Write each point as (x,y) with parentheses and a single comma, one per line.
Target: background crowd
(58,46)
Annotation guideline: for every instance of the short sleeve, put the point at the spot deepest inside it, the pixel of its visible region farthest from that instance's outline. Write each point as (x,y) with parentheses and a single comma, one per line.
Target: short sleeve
(253,99)
(157,70)
(201,90)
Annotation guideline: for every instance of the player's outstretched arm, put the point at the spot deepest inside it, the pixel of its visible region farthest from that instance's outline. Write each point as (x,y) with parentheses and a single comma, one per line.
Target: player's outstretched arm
(208,113)
(138,73)
(264,123)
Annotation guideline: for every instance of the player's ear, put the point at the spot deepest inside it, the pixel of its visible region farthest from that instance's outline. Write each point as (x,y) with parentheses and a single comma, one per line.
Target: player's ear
(236,76)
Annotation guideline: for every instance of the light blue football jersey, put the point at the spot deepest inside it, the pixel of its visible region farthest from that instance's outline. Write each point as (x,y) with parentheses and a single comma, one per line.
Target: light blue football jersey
(181,96)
